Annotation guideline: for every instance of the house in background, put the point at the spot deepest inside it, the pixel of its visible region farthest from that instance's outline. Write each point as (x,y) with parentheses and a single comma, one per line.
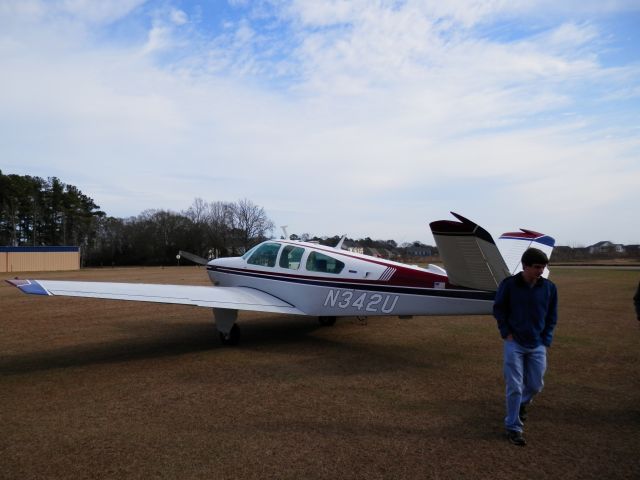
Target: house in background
(352,246)
(419,250)
(606,247)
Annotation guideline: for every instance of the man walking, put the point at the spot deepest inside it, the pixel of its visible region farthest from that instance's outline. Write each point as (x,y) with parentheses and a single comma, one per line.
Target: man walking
(526,308)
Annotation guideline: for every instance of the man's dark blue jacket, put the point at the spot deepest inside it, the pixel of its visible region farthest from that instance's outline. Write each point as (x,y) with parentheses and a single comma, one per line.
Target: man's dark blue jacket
(528,313)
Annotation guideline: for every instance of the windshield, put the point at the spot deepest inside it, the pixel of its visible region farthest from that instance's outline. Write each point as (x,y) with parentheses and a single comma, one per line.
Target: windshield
(249,252)
(265,255)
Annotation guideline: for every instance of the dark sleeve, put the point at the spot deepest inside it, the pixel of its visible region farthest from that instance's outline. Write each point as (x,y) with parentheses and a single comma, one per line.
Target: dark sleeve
(501,308)
(636,301)
(551,318)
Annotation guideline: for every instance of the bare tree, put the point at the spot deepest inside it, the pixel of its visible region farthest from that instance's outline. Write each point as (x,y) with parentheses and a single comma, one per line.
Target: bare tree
(227,228)
(198,211)
(250,222)
(219,224)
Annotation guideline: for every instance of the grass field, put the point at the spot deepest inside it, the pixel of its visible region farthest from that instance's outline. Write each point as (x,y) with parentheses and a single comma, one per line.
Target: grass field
(109,389)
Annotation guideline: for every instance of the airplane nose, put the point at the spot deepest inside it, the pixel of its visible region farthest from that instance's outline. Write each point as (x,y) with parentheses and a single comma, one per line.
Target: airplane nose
(226,262)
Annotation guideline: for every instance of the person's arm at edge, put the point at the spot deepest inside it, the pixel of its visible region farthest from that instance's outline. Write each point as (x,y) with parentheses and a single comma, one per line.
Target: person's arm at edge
(551,318)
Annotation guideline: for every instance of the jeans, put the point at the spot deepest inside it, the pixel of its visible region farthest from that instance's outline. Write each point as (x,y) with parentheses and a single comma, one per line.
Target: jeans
(523,374)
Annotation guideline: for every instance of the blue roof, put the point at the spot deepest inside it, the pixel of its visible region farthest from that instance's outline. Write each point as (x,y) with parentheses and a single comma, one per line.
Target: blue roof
(39,249)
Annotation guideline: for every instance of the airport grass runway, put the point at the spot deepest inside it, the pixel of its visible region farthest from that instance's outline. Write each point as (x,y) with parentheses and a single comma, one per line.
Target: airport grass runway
(109,389)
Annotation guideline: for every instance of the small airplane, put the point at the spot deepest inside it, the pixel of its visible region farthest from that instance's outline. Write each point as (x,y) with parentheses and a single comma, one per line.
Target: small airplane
(301,278)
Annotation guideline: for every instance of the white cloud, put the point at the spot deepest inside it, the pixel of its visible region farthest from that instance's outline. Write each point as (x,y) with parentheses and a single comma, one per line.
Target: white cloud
(178,17)
(91,11)
(158,39)
(96,11)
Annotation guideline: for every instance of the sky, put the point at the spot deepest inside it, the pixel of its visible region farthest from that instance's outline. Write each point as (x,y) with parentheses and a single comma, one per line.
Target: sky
(366,118)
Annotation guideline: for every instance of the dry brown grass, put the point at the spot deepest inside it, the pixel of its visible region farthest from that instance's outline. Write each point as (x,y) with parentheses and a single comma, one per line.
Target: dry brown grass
(108,389)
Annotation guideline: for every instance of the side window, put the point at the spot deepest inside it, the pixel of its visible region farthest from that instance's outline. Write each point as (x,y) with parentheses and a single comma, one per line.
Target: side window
(318,262)
(290,257)
(265,255)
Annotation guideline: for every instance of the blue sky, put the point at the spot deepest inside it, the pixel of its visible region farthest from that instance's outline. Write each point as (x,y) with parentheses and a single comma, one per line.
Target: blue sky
(358,117)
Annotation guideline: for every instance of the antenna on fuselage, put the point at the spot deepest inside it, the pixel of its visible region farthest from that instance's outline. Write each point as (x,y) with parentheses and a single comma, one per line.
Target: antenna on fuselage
(339,245)
(284,231)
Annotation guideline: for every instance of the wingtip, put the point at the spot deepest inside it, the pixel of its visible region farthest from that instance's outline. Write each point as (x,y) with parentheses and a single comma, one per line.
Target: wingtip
(31,287)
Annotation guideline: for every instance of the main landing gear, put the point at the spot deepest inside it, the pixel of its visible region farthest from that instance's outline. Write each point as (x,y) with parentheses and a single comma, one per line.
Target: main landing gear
(232,338)
(230,332)
(327,321)
(226,324)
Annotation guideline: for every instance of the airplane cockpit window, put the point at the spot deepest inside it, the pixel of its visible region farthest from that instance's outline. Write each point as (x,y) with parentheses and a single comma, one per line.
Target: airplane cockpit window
(265,255)
(291,256)
(318,262)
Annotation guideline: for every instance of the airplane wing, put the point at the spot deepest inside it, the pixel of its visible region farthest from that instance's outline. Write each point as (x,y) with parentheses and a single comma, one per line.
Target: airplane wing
(234,298)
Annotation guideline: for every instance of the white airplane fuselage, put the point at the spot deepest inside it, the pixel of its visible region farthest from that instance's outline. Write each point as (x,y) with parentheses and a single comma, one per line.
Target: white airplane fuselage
(324,281)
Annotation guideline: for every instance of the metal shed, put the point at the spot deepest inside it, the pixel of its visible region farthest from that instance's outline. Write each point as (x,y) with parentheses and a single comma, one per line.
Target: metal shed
(32,259)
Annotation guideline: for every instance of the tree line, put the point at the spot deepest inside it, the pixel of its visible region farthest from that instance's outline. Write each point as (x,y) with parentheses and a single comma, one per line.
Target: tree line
(47,212)
(208,229)
(35,211)
(38,212)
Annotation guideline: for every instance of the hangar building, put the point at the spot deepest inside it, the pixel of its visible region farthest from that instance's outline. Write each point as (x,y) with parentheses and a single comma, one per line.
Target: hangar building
(32,259)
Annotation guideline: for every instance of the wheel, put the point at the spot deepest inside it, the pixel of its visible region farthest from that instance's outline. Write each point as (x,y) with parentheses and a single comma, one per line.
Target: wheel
(232,338)
(327,321)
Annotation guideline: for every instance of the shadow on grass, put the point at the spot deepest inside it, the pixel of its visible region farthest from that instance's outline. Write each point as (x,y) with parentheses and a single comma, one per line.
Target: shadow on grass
(342,351)
(333,351)
(172,340)
(147,340)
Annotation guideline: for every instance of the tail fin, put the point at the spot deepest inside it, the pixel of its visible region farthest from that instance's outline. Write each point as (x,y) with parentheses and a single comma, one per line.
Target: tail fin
(472,258)
(470,255)
(513,244)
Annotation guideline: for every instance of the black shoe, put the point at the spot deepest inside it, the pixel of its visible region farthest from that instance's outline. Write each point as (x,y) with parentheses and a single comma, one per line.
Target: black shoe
(523,414)
(516,438)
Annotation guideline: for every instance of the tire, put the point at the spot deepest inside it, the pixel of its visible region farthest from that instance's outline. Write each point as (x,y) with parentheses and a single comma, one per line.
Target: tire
(233,338)
(327,321)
